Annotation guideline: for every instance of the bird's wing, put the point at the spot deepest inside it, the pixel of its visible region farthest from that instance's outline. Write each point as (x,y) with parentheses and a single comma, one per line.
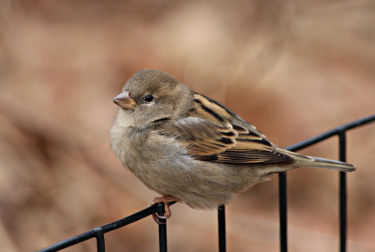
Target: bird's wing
(214,133)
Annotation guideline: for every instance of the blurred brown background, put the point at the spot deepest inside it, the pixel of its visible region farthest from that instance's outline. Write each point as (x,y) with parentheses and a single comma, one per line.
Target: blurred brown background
(292,68)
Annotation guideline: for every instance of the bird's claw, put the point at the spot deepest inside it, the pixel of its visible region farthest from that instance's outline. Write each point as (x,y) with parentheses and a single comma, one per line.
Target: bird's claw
(166,200)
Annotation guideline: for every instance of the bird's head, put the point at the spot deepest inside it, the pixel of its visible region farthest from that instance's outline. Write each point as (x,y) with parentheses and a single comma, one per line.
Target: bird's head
(152,95)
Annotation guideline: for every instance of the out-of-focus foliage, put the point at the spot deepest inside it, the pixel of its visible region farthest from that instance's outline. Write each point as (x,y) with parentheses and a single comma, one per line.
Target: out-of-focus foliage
(292,68)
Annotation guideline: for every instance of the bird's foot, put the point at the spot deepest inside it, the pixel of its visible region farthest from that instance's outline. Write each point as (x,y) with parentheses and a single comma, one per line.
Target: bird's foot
(166,200)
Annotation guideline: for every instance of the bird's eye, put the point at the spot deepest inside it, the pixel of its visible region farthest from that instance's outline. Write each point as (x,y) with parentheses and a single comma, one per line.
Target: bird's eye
(149,98)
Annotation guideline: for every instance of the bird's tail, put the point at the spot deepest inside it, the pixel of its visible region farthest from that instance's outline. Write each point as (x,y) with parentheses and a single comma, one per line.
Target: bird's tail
(308,161)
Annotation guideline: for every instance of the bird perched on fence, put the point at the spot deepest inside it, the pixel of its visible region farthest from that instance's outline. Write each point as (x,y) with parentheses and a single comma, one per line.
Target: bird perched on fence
(190,148)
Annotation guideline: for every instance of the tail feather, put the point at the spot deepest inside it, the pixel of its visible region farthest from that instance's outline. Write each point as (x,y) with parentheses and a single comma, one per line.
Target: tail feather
(309,161)
(333,164)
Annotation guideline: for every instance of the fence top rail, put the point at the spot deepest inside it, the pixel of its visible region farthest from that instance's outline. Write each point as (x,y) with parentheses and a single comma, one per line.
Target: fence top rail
(332,132)
(97,231)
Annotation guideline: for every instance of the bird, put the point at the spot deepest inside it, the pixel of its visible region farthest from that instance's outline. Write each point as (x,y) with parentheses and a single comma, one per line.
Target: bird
(190,148)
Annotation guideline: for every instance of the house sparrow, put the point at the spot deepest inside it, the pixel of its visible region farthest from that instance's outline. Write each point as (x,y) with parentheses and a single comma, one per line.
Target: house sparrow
(190,148)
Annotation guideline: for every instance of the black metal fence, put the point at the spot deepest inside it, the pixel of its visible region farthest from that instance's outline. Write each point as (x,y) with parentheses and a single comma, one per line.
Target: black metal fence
(340,131)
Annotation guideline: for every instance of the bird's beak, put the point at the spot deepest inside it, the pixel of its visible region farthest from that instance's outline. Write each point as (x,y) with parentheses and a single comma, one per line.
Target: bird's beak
(124,100)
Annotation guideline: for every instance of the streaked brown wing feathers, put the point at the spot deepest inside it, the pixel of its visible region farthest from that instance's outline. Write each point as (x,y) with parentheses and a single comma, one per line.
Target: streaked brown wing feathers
(214,133)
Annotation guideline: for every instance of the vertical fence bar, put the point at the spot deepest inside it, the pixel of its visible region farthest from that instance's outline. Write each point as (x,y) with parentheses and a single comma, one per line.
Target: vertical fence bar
(342,194)
(162,228)
(283,204)
(221,226)
(100,241)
